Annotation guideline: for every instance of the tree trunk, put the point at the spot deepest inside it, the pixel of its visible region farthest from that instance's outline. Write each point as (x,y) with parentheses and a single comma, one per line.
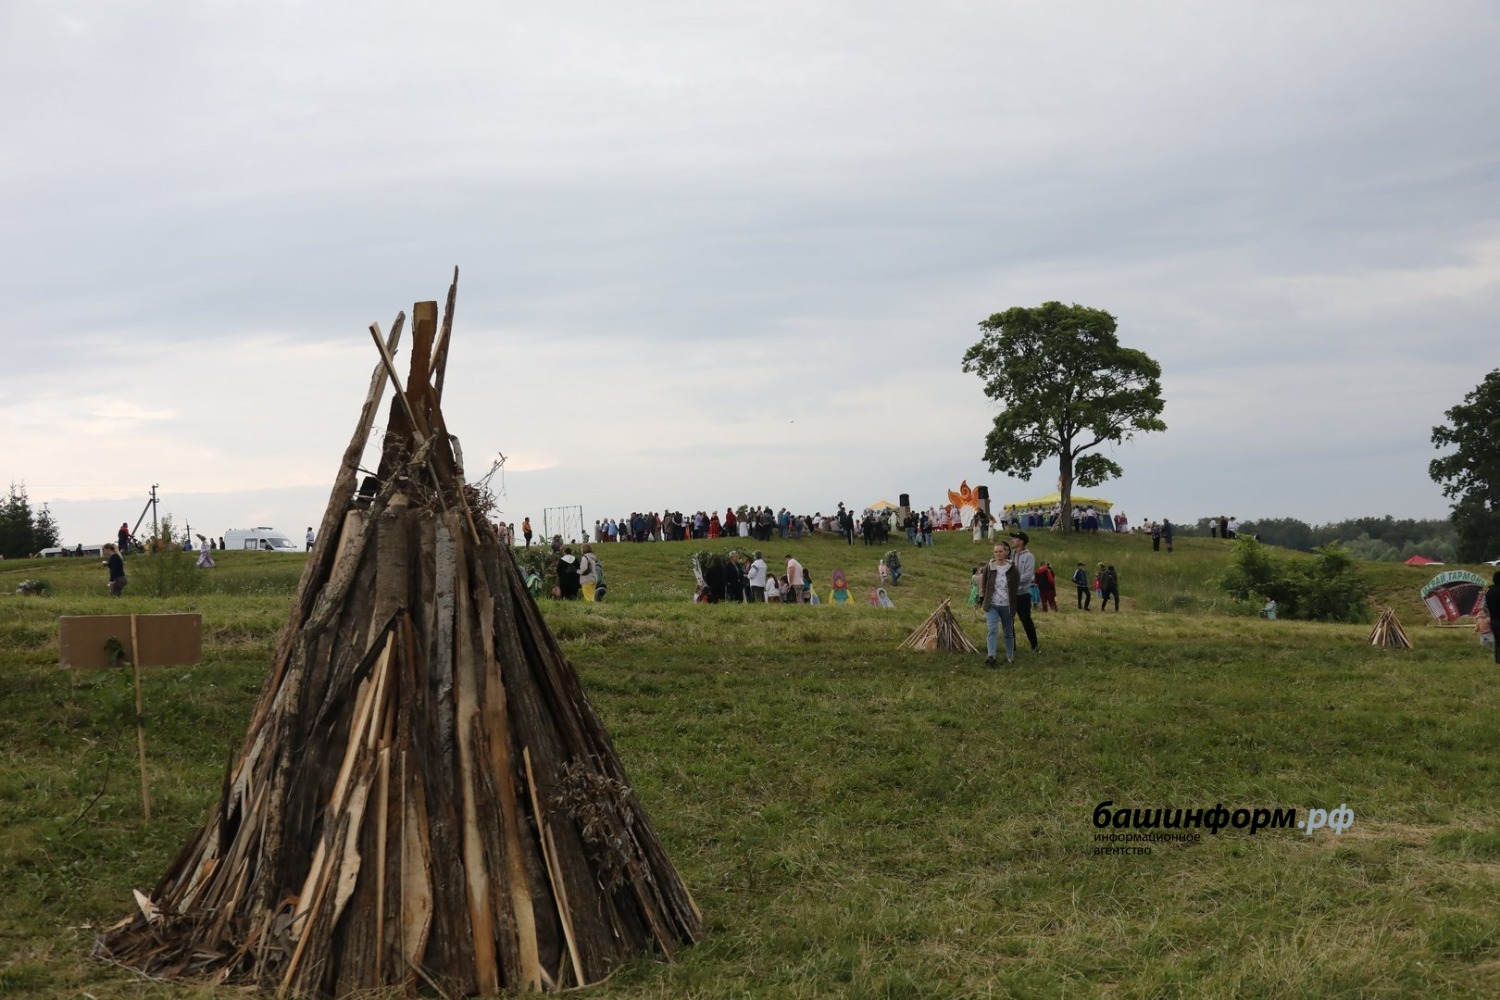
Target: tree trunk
(1065,490)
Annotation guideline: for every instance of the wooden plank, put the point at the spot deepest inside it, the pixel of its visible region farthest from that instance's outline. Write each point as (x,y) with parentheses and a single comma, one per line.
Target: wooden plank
(476,873)
(559,887)
(450,950)
(140,713)
(416,864)
(497,731)
(424,317)
(440,353)
(168,640)
(401,398)
(317,874)
(382,827)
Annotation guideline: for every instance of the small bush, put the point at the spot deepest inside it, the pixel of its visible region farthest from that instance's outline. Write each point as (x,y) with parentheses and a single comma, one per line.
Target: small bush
(538,559)
(165,569)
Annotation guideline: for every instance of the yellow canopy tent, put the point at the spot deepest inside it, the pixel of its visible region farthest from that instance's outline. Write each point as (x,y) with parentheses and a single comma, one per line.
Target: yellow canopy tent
(880,505)
(1053,499)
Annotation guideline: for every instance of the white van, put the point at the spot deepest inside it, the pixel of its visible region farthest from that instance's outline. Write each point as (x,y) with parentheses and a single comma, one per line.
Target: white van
(258,540)
(96,550)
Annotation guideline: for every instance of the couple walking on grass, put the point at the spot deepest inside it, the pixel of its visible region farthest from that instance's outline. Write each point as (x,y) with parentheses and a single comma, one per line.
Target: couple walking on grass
(1005,594)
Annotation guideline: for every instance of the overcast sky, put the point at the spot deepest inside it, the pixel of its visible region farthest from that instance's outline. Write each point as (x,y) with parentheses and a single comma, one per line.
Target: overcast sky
(716,254)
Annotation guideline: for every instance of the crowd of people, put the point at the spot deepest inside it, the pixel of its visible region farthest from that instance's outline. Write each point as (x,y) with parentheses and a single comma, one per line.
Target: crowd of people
(745,577)
(1224,526)
(760,524)
(1086,518)
(748,578)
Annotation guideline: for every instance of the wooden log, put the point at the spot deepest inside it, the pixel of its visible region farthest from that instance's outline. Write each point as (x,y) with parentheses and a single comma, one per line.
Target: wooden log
(424,317)
(140,713)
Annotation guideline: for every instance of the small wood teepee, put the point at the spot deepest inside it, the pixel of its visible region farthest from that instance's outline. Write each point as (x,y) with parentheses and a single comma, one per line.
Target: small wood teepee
(1388,631)
(940,631)
(425,797)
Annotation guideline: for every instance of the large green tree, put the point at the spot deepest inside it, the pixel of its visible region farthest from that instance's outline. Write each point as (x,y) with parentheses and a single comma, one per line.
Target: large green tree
(23,531)
(1470,476)
(1065,386)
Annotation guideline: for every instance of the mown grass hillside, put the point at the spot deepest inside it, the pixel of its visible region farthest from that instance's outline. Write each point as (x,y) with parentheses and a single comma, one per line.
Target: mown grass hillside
(861,822)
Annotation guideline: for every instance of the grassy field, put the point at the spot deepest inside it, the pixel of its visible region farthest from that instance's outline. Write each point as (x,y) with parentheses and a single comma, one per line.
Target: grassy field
(861,822)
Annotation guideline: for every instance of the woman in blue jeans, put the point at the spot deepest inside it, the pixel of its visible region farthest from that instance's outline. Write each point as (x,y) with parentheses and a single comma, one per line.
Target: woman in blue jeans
(998,592)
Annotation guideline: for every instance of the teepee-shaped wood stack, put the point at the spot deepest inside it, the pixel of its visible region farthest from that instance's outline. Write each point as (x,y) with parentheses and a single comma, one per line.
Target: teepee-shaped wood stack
(425,798)
(940,631)
(1388,631)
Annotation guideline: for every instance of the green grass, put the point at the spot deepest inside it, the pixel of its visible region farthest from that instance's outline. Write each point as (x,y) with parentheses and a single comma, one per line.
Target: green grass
(861,822)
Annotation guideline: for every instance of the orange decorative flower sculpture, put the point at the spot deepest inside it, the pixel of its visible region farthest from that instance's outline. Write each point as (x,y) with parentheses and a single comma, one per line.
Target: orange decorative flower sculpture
(963,496)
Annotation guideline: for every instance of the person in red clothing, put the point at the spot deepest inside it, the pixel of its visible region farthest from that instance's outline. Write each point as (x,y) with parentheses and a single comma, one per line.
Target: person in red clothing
(1046,582)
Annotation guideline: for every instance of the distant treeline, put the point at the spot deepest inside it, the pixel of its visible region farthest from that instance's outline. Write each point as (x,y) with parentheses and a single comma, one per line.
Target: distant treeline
(1379,539)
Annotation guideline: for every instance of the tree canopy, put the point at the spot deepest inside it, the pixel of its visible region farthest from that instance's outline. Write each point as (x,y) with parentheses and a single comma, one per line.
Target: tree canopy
(1066,386)
(23,531)
(1470,476)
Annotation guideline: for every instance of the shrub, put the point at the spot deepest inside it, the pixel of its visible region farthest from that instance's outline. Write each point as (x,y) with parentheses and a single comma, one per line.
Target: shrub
(165,569)
(1329,588)
(540,560)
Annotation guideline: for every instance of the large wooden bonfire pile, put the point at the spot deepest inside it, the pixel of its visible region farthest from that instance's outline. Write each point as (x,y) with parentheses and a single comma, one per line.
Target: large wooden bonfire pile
(425,798)
(940,631)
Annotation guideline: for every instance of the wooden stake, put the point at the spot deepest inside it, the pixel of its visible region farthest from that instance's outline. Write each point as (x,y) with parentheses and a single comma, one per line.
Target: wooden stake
(140,711)
(440,352)
(390,370)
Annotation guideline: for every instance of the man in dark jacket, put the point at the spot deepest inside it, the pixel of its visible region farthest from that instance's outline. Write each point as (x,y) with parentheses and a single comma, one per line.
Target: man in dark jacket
(1109,586)
(1085,593)
(1492,605)
(734,579)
